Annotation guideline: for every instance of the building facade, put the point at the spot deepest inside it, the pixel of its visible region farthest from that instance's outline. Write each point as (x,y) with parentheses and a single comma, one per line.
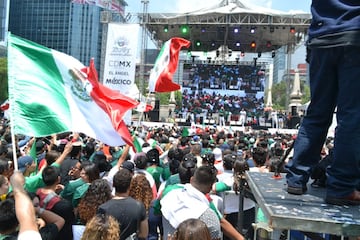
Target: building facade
(72,28)
(4,16)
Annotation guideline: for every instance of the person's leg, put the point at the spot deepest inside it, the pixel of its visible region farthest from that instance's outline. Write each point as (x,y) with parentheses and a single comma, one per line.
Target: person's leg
(344,173)
(154,222)
(314,128)
(249,219)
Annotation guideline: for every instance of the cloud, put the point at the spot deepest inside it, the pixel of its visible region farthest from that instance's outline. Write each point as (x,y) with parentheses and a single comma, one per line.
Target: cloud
(193,5)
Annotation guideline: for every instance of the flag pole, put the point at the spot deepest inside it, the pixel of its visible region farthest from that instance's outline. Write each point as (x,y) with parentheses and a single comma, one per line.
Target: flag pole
(12,127)
(13,140)
(142,113)
(14,143)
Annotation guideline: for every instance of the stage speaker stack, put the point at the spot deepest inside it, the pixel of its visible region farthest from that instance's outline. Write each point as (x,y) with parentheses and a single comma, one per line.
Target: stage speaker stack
(154,114)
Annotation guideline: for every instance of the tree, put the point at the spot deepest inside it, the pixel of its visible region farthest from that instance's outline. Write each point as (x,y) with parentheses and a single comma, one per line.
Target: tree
(165,97)
(3,80)
(280,94)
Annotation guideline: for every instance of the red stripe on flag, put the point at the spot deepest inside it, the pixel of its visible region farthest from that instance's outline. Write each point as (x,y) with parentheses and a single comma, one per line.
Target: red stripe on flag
(112,102)
(164,83)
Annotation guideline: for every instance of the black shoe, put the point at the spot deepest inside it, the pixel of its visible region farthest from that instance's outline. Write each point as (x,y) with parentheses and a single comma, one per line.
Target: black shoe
(317,183)
(296,190)
(352,199)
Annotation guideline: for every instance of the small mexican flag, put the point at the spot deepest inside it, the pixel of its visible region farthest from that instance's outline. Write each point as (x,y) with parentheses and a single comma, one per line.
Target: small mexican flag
(185,132)
(138,142)
(144,107)
(165,66)
(46,97)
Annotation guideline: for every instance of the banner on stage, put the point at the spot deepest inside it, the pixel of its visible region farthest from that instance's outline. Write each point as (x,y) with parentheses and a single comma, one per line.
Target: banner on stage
(120,58)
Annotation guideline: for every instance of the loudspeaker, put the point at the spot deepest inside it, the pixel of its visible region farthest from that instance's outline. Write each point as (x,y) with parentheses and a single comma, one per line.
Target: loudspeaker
(154,114)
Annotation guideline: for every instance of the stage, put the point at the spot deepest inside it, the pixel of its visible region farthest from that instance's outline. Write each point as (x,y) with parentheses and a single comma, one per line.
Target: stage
(307,213)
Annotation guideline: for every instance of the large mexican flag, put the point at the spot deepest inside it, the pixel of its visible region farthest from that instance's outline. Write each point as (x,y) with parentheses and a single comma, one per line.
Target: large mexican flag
(46,97)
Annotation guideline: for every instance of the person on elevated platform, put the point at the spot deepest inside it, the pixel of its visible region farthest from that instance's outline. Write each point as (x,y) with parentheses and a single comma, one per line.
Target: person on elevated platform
(333,54)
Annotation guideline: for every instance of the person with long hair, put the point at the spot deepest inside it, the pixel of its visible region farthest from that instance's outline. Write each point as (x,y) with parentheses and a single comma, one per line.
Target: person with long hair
(88,174)
(102,226)
(98,193)
(140,190)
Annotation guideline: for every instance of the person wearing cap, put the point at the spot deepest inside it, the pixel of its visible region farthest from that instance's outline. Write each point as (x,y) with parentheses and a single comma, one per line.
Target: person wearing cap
(41,148)
(154,169)
(26,165)
(128,165)
(218,160)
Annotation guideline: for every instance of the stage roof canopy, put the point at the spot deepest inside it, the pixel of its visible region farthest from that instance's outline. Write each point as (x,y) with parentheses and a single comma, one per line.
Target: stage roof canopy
(231,23)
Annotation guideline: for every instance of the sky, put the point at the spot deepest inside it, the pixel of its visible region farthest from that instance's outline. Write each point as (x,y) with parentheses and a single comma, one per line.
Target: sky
(171,6)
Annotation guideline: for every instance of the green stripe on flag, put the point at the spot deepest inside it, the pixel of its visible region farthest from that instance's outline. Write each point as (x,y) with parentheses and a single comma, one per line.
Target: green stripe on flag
(33,155)
(137,145)
(36,89)
(185,132)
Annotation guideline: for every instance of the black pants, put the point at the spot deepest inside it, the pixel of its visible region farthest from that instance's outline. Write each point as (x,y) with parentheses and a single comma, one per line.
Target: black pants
(249,218)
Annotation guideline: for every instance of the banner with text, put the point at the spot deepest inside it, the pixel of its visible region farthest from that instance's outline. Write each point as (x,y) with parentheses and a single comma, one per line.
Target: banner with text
(120,58)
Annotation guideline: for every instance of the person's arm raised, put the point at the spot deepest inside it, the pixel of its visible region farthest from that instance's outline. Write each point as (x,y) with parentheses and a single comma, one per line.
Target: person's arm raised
(123,156)
(24,209)
(67,149)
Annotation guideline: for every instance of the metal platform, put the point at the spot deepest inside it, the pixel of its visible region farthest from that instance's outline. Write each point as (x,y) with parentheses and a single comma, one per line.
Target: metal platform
(308,212)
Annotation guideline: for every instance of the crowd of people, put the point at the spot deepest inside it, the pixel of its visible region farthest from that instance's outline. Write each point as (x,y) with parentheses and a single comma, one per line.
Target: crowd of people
(229,110)
(212,103)
(234,77)
(176,185)
(83,189)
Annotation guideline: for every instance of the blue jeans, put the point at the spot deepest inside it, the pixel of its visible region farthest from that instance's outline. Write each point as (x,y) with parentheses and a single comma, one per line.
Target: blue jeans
(155,225)
(334,81)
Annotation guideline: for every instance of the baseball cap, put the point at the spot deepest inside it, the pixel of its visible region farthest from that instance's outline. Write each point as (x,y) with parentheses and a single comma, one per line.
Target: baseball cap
(40,144)
(128,165)
(217,153)
(23,162)
(196,138)
(153,156)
